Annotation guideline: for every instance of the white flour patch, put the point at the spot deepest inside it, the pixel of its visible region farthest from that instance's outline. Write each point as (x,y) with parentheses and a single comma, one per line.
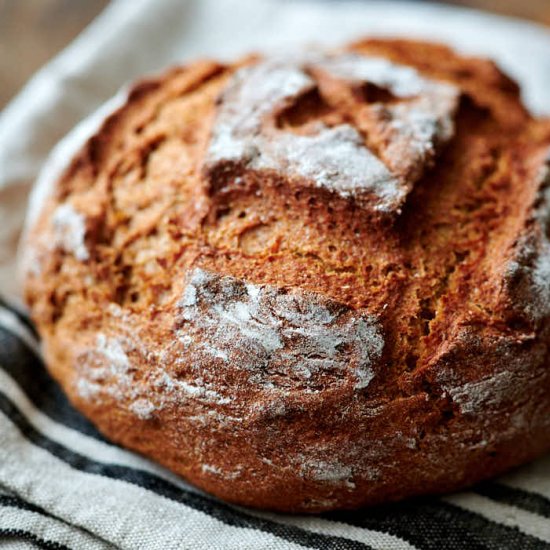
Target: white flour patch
(107,369)
(69,231)
(52,170)
(541,268)
(329,472)
(270,332)
(334,158)
(200,389)
(476,397)
(541,281)
(112,350)
(531,266)
(252,93)
(143,408)
(220,472)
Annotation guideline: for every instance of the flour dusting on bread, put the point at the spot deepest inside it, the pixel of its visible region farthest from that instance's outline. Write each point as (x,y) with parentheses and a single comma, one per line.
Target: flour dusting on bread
(529,271)
(264,329)
(329,472)
(69,228)
(335,158)
(541,268)
(107,371)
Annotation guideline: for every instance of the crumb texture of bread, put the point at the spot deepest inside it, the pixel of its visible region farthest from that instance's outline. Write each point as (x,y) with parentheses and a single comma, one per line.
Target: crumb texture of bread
(310,282)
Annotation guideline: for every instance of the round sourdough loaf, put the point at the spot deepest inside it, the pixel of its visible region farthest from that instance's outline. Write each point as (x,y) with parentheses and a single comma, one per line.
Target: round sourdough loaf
(307,282)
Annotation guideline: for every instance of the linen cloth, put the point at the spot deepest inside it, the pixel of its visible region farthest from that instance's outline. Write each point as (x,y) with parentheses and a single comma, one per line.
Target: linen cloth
(62,485)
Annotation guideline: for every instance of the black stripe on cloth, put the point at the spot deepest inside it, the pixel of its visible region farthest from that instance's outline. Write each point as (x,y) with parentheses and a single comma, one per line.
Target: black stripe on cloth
(537,504)
(433,524)
(20,315)
(17,502)
(31,537)
(222,512)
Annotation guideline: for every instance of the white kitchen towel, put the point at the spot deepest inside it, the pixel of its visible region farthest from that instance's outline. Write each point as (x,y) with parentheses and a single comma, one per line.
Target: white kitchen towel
(62,485)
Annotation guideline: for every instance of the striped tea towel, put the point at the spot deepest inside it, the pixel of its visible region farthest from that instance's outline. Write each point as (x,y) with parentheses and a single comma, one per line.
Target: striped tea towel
(62,485)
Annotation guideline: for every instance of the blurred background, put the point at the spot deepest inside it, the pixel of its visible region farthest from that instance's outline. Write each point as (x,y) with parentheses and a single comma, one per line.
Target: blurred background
(32,31)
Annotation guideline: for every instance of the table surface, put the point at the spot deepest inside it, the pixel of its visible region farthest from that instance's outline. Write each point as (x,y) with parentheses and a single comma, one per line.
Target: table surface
(32,31)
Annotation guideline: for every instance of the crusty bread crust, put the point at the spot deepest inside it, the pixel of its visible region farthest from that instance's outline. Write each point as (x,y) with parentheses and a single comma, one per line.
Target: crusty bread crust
(308,284)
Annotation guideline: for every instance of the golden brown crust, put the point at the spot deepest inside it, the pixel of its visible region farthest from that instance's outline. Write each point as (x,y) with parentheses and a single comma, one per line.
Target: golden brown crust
(285,344)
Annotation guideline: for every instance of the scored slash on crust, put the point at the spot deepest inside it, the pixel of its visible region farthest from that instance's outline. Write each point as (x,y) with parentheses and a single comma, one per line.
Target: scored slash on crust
(335,158)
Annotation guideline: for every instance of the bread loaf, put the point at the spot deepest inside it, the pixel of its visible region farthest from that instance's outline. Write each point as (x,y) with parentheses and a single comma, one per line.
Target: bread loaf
(307,282)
